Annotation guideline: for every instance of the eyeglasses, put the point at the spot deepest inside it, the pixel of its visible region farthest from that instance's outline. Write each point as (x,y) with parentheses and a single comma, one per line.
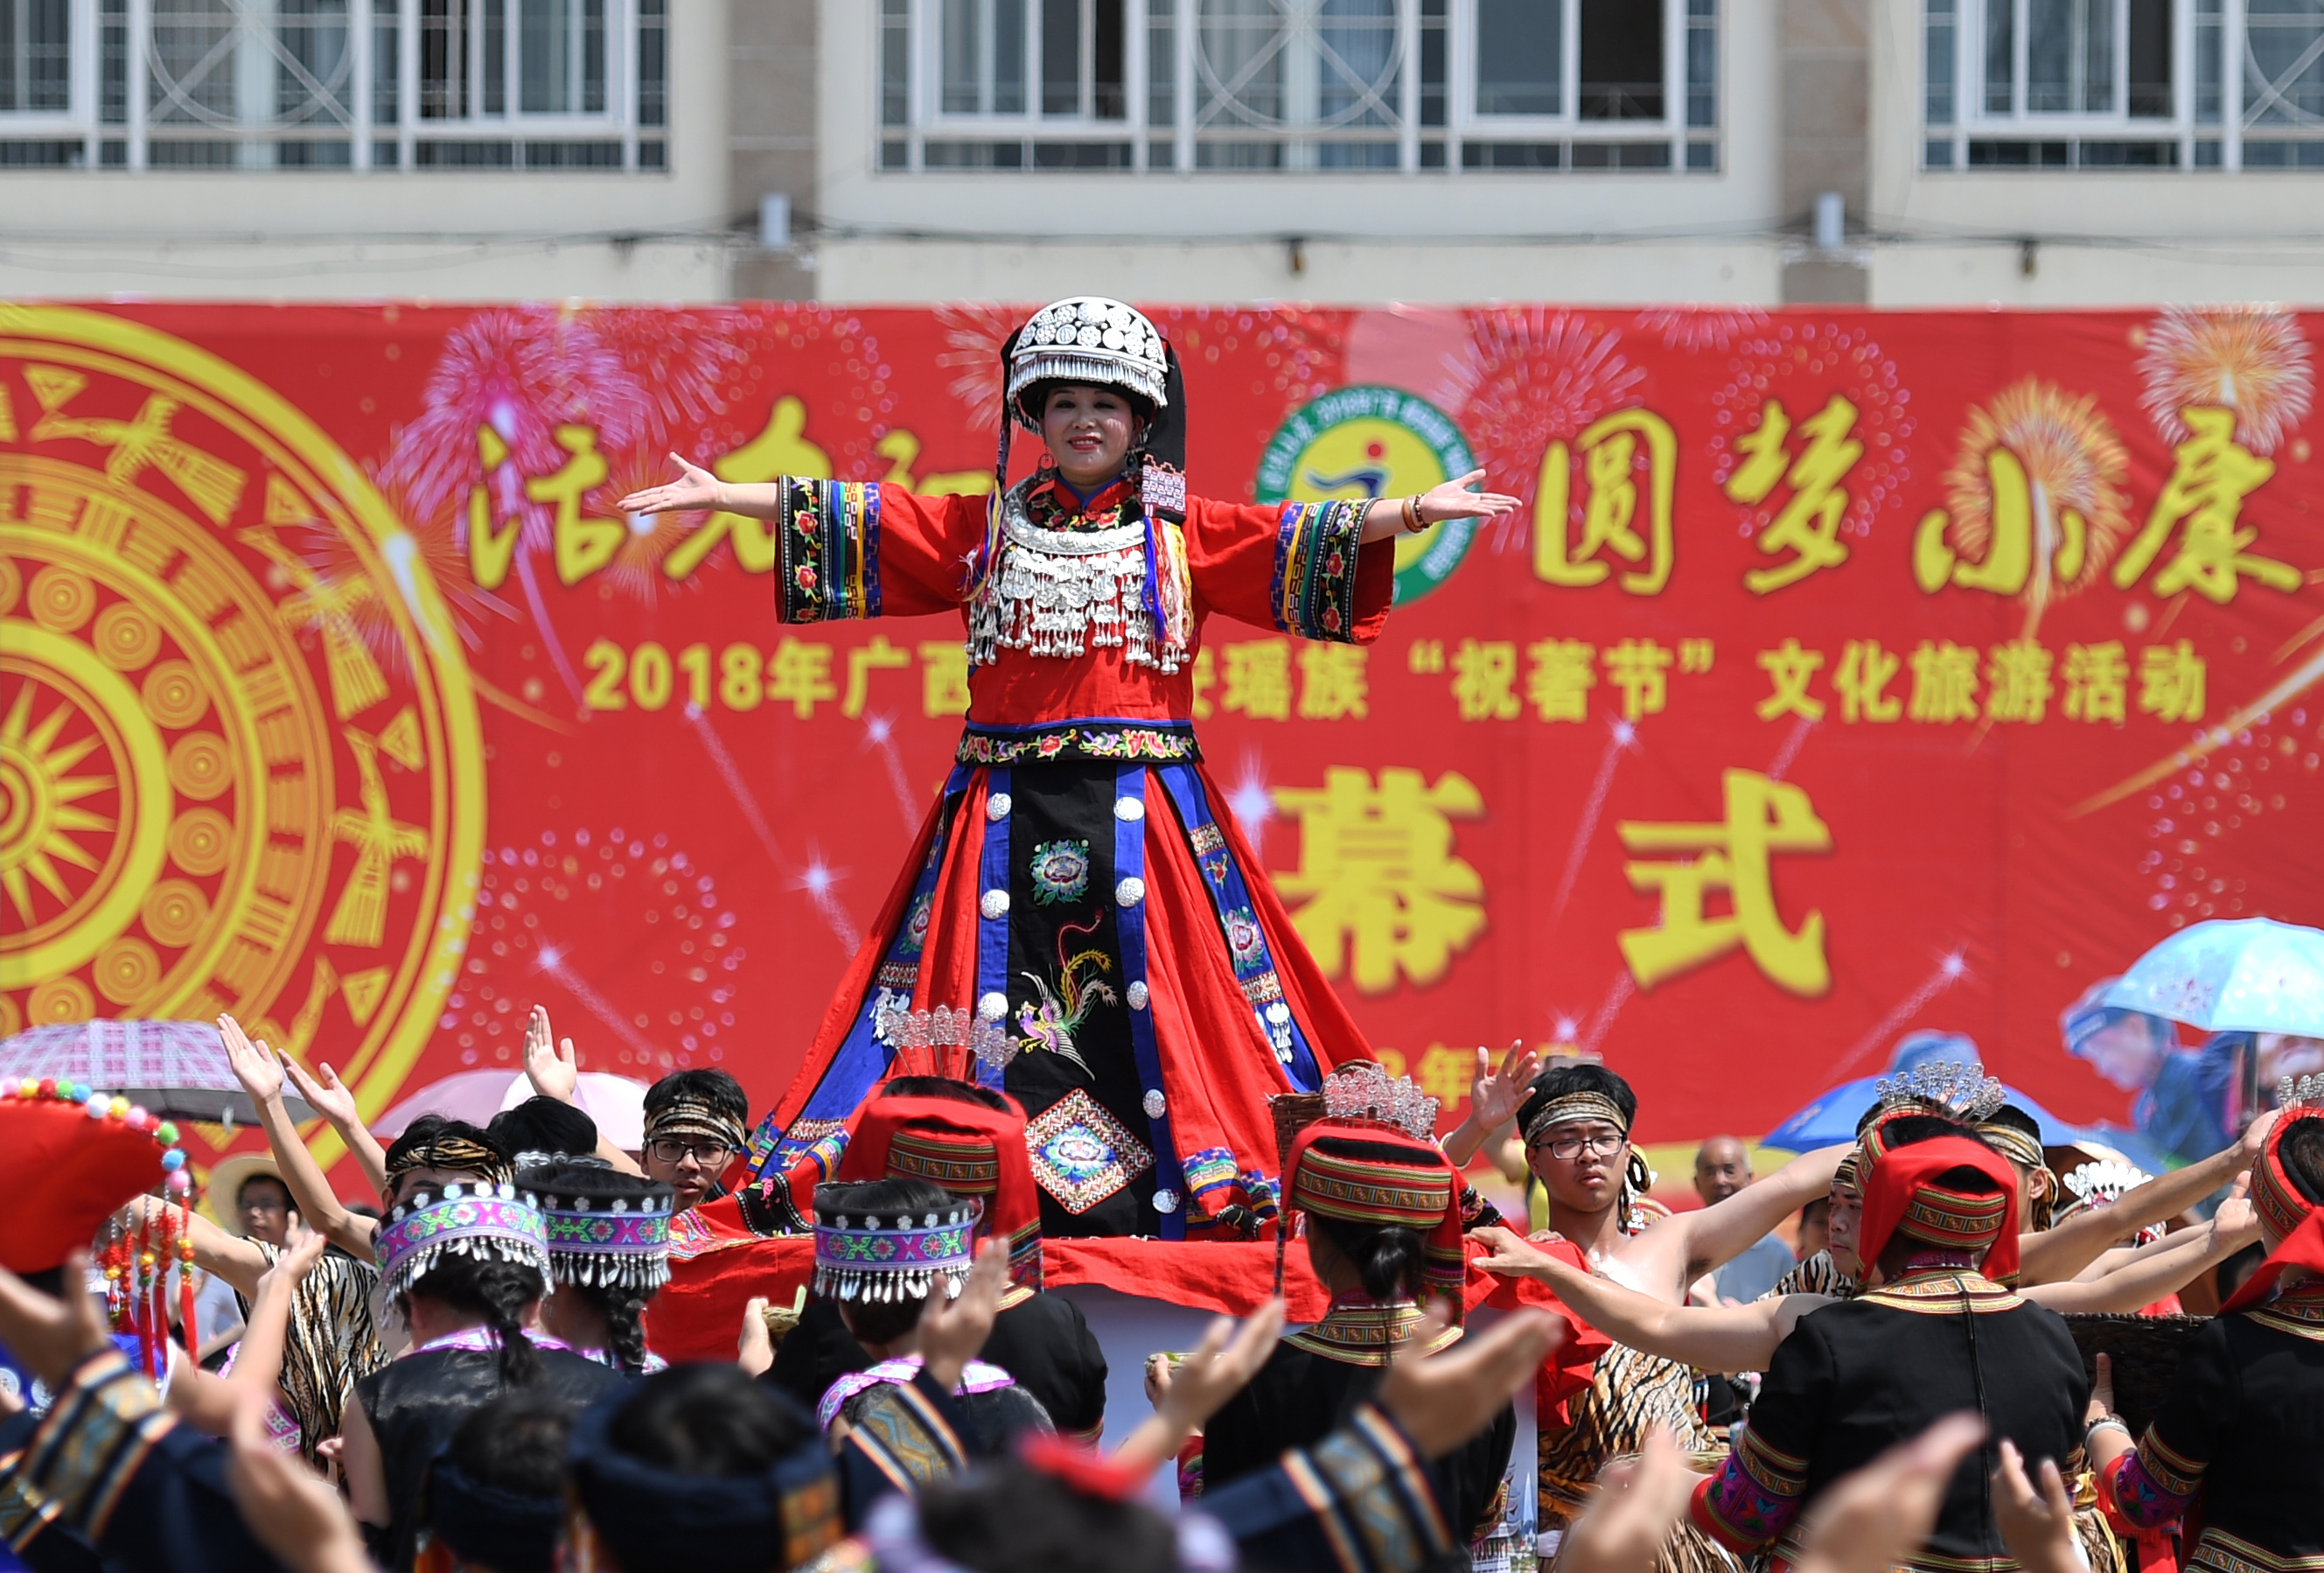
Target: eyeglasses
(678,1150)
(1569,1147)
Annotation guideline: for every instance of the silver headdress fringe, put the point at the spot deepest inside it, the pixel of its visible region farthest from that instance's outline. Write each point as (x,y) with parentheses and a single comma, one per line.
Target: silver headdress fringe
(524,1246)
(1962,1091)
(627,1261)
(2308,1092)
(1089,339)
(886,1281)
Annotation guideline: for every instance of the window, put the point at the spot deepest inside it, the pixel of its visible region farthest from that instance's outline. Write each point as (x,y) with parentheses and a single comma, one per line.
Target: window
(336,84)
(2123,84)
(1298,85)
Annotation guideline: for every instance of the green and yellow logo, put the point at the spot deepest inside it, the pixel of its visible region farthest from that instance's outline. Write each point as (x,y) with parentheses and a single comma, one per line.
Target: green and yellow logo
(1375,442)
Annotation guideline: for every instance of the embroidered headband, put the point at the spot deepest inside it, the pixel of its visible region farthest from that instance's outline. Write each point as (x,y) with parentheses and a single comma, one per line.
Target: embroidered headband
(1088,339)
(2286,1211)
(450,1151)
(1573,1108)
(2016,1145)
(1902,1196)
(1362,1172)
(856,1257)
(611,1230)
(499,1223)
(688,1115)
(962,1148)
(1848,1176)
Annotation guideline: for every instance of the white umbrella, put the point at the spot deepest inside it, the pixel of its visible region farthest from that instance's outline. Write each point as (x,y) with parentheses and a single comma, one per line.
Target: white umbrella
(617,1103)
(176,1069)
(2240,975)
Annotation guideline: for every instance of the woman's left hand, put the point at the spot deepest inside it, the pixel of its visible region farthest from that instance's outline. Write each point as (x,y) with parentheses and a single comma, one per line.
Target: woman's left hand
(1454,500)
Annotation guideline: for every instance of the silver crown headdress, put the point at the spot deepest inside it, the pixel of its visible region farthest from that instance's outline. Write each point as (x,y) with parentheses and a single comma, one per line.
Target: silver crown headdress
(2307,1092)
(2105,1180)
(1958,1090)
(1361,1091)
(1089,339)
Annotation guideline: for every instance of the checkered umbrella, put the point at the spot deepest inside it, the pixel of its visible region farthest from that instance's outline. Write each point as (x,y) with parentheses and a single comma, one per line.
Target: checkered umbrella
(177,1069)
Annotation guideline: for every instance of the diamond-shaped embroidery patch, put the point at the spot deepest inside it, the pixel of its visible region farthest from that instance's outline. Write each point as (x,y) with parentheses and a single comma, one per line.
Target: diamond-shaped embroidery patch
(1081,1153)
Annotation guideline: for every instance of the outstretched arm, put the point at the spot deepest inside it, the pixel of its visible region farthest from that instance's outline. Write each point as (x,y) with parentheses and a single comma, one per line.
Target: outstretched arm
(555,1072)
(261,1075)
(1451,499)
(2060,1252)
(2154,1270)
(334,1102)
(1493,1099)
(1675,1251)
(1734,1338)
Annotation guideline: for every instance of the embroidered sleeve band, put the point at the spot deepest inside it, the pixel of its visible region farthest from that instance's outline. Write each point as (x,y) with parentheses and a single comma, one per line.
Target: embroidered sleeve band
(1753,1499)
(1316,549)
(93,1440)
(2153,1485)
(1371,1497)
(830,567)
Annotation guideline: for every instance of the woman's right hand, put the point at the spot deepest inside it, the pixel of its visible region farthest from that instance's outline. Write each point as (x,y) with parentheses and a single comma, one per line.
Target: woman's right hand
(695,488)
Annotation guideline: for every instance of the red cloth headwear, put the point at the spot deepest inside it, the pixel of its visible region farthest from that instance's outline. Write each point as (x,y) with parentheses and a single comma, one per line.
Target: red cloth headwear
(966,1149)
(1367,1173)
(64,1169)
(1902,1196)
(2285,1211)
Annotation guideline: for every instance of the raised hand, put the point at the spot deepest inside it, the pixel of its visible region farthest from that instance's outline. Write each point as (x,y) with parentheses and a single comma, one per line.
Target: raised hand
(1631,1513)
(2236,1218)
(1494,1096)
(2254,1142)
(1454,500)
(1441,1401)
(2037,1525)
(954,1328)
(554,1072)
(254,1066)
(324,1093)
(1219,1366)
(1874,1518)
(695,488)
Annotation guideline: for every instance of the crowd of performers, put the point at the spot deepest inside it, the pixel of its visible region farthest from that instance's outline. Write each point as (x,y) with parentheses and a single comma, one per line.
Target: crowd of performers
(1083,1016)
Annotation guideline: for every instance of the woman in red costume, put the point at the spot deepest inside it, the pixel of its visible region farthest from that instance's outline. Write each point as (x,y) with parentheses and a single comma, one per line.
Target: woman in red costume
(1080,913)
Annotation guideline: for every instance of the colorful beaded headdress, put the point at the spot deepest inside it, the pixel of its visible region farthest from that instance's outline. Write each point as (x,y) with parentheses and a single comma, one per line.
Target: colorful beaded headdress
(481,1220)
(70,1155)
(603,1227)
(888,1255)
(962,1148)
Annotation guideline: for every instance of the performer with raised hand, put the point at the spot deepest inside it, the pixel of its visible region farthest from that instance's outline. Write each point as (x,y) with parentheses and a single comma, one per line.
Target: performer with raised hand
(1079,909)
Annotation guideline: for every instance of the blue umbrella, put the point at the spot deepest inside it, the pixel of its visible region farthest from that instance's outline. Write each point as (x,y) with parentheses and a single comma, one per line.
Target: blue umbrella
(1832,1118)
(2232,975)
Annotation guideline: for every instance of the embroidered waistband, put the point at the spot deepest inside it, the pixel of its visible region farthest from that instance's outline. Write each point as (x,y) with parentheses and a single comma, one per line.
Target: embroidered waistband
(1112,742)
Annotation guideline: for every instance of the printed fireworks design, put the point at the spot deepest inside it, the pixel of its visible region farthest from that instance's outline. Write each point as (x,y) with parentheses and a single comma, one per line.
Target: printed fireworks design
(575,907)
(2074,464)
(1803,364)
(1527,378)
(2250,359)
(2260,773)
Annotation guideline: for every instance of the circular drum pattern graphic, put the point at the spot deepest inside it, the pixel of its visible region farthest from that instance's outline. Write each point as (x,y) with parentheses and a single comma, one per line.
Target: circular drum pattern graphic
(237,774)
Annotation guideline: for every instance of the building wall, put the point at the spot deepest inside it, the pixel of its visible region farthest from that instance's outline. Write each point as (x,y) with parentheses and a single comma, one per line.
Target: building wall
(480,235)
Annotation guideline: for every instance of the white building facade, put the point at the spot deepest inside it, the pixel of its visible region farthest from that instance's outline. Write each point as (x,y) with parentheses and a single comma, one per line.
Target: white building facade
(2050,152)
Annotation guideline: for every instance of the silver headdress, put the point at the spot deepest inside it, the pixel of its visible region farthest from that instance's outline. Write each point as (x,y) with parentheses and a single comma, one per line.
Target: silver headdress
(1958,1090)
(2308,1092)
(1360,1090)
(1089,339)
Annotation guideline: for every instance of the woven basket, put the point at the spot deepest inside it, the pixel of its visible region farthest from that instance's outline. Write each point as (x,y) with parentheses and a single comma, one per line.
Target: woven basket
(2145,1351)
(1294,1112)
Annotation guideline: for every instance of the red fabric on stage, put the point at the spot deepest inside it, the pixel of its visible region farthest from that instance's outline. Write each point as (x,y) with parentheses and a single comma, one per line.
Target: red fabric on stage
(1899,1171)
(698,1314)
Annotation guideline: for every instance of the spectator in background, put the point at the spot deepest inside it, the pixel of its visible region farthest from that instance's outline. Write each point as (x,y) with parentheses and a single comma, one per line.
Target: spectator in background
(1815,1228)
(1722,1166)
(697,1121)
(2180,1094)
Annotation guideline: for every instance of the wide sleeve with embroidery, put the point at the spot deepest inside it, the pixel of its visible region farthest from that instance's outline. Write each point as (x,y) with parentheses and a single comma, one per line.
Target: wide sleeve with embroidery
(2154,1484)
(1758,1493)
(842,549)
(1301,569)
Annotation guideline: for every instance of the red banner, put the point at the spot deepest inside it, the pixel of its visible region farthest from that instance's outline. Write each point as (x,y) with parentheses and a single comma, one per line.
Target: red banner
(1846,674)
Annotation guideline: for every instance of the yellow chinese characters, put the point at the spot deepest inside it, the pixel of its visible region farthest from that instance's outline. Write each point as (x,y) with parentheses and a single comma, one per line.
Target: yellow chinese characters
(1762,817)
(1609,454)
(2213,475)
(581,545)
(1379,892)
(1808,525)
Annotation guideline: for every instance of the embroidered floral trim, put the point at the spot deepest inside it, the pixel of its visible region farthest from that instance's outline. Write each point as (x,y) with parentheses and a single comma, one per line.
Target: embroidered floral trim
(1060,871)
(2221,1552)
(1161,742)
(1317,547)
(1206,839)
(1081,1153)
(829,534)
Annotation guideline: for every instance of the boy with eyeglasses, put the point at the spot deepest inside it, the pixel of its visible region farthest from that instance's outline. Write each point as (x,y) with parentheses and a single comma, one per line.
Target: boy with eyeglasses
(695,1124)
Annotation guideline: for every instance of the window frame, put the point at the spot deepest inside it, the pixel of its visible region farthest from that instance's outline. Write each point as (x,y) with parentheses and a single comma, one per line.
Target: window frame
(127,137)
(902,149)
(2211,119)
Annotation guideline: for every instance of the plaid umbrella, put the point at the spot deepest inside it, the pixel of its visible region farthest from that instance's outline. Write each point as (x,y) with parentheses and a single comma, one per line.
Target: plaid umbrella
(177,1069)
